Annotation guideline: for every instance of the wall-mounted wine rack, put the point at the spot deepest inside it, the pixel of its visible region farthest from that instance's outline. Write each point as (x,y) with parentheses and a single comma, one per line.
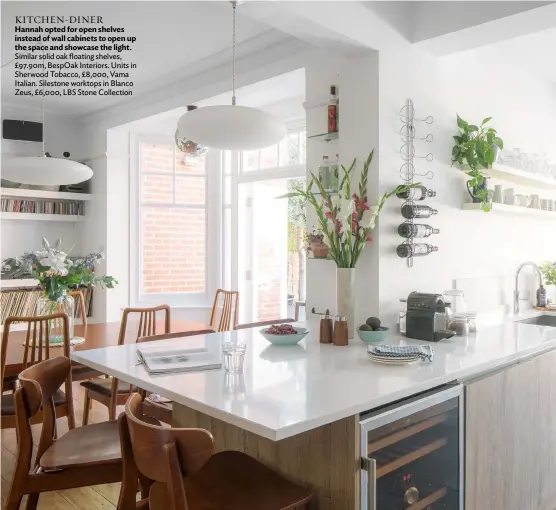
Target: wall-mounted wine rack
(408,172)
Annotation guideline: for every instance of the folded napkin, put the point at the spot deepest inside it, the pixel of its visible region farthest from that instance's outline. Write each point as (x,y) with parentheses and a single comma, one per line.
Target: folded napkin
(425,352)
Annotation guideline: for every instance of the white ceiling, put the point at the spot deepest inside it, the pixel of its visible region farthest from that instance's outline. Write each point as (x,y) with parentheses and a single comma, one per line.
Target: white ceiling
(421,20)
(170,36)
(281,96)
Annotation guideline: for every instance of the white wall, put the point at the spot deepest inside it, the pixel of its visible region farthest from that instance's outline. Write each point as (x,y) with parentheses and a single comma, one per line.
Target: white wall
(61,135)
(471,244)
(357,81)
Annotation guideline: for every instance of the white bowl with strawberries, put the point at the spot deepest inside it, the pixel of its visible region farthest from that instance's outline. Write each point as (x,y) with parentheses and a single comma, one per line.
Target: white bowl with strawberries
(284,334)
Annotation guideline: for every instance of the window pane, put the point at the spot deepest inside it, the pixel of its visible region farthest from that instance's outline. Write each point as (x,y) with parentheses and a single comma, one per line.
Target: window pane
(269,157)
(174,243)
(157,188)
(303,147)
(227,190)
(190,190)
(186,164)
(156,158)
(293,149)
(227,162)
(250,161)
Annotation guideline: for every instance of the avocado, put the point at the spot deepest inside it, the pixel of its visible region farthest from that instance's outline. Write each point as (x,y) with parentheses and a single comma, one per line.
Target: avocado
(365,327)
(374,322)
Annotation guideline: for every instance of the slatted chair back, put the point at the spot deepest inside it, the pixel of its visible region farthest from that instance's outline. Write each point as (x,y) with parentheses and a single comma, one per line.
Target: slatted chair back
(147,321)
(37,339)
(229,310)
(79,302)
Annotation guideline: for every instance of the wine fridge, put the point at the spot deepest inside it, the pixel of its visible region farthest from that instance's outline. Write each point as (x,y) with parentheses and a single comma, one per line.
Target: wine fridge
(412,453)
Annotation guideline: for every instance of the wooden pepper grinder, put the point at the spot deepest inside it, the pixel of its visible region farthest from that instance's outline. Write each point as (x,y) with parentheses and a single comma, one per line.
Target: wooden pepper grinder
(340,331)
(326,326)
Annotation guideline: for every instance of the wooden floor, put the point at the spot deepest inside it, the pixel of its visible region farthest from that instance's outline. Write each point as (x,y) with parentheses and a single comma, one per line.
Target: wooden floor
(98,497)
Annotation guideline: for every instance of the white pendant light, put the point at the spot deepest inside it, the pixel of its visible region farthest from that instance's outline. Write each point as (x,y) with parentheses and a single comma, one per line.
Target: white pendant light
(231,127)
(44,170)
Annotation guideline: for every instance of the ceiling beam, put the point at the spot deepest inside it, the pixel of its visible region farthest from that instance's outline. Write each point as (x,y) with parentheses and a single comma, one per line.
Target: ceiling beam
(509,27)
(346,27)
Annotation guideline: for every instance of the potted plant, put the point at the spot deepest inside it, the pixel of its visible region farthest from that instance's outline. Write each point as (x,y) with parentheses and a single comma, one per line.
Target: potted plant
(477,147)
(57,274)
(548,270)
(317,245)
(345,221)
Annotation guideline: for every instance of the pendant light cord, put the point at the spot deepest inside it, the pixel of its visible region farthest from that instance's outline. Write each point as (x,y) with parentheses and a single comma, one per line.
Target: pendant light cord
(234,5)
(42,114)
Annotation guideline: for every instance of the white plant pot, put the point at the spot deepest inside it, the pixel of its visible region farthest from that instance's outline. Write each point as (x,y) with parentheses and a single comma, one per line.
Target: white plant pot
(345,296)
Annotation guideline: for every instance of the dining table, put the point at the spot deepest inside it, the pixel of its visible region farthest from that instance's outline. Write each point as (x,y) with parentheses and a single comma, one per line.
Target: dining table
(96,336)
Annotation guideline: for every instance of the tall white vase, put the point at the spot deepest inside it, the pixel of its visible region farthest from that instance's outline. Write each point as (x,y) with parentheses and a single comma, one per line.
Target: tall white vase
(345,296)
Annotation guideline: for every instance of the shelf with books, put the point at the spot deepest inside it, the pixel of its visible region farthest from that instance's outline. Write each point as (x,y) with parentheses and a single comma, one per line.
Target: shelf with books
(41,217)
(43,195)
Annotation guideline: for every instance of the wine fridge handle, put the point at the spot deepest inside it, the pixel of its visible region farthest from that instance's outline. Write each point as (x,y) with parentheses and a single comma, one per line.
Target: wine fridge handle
(369,464)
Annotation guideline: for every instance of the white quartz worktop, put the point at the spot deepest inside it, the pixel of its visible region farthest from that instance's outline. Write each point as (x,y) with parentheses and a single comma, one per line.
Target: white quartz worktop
(288,390)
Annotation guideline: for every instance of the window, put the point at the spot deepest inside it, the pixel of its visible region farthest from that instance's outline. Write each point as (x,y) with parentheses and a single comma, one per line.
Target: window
(267,234)
(171,225)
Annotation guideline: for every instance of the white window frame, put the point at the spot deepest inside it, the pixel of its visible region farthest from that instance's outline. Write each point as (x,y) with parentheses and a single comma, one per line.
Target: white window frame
(238,176)
(213,200)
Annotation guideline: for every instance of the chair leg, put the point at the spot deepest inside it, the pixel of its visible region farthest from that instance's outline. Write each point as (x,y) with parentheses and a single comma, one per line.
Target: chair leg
(32,501)
(144,486)
(71,416)
(86,407)
(14,500)
(112,407)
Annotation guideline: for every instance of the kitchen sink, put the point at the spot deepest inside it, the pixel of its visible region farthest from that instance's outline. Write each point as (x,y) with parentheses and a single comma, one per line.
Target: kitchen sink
(541,320)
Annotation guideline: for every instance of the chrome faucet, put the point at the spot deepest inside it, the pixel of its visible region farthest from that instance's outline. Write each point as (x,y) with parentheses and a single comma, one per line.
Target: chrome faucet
(516,288)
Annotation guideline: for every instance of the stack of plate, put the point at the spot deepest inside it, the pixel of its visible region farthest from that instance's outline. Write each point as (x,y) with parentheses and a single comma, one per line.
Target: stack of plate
(392,361)
(397,355)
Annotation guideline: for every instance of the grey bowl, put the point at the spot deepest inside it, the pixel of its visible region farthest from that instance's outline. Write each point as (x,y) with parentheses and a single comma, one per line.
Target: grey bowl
(285,339)
(370,337)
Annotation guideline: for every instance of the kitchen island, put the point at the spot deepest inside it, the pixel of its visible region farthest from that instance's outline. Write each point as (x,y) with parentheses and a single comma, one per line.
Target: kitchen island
(297,408)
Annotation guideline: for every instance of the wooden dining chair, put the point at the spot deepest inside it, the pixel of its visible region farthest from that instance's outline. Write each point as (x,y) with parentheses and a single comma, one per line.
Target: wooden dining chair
(186,473)
(36,349)
(154,406)
(230,304)
(83,456)
(110,391)
(264,323)
(80,301)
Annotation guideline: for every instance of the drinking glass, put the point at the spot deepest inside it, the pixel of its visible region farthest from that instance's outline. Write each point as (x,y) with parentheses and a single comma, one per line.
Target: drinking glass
(233,349)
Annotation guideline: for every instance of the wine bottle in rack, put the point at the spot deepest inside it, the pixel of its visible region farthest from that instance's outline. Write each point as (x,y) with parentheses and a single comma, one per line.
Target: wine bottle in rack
(410,211)
(406,251)
(416,230)
(419,192)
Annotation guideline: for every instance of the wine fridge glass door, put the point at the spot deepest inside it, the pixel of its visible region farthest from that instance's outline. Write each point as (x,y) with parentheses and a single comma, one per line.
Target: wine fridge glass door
(412,453)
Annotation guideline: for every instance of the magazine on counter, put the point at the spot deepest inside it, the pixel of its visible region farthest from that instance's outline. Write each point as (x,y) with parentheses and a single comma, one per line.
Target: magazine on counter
(169,360)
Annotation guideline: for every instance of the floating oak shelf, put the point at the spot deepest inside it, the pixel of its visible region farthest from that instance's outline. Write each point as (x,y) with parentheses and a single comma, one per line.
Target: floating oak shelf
(42,217)
(511,209)
(517,176)
(44,195)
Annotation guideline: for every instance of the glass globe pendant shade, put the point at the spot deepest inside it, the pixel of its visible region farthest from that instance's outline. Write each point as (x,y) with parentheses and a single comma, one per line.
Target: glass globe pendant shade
(45,171)
(231,127)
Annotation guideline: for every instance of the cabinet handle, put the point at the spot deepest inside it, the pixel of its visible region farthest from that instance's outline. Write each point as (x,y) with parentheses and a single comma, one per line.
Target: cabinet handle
(369,464)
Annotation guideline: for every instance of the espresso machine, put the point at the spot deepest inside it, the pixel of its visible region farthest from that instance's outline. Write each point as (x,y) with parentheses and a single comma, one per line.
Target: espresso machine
(426,317)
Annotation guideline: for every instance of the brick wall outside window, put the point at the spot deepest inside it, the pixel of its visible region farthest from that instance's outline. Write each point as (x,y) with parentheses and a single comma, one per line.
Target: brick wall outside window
(173,233)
